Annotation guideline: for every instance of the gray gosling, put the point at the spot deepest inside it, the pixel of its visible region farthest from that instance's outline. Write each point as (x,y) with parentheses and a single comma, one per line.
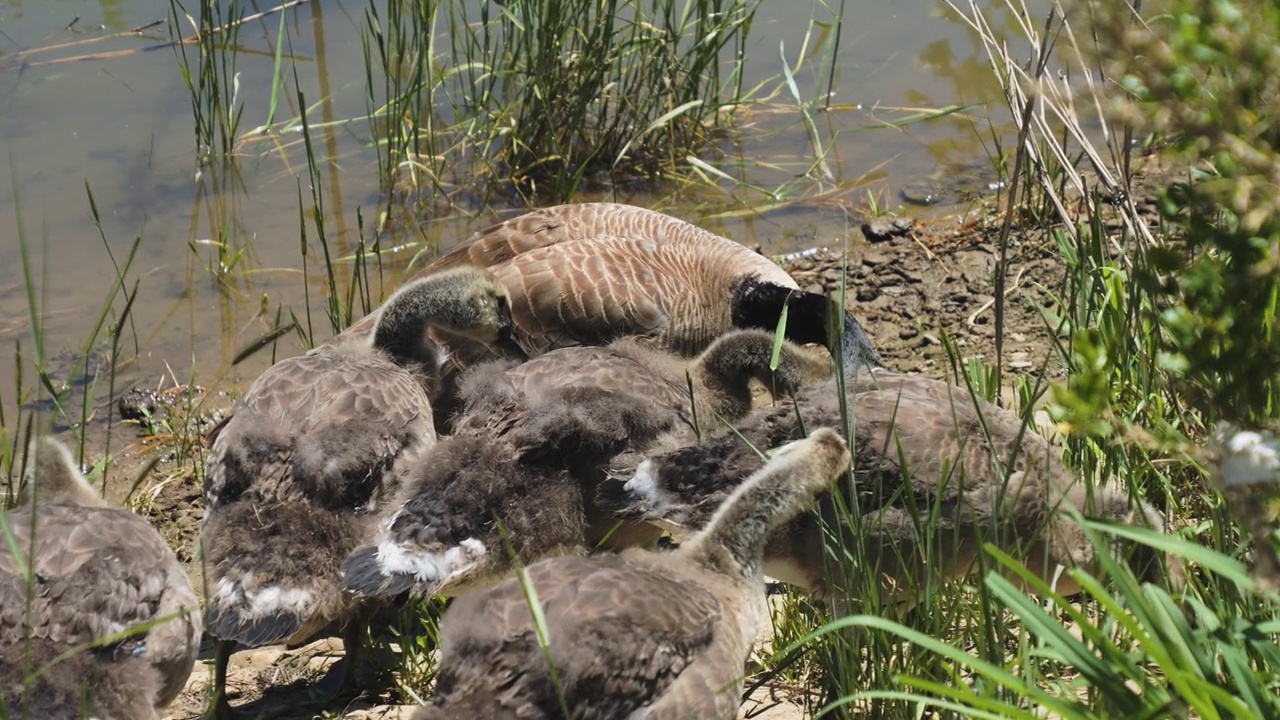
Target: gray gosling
(658,635)
(104,588)
(312,451)
(925,456)
(529,450)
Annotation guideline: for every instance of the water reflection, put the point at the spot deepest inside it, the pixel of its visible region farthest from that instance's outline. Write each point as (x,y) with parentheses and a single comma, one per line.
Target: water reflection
(221,256)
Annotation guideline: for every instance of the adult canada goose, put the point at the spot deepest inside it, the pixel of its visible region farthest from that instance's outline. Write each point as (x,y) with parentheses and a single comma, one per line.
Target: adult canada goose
(656,635)
(925,456)
(99,584)
(534,438)
(586,274)
(312,450)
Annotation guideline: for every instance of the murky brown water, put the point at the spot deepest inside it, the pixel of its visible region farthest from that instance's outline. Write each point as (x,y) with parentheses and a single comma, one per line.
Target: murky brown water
(114,116)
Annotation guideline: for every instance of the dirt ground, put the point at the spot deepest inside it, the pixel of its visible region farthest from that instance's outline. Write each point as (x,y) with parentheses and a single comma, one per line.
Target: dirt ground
(910,291)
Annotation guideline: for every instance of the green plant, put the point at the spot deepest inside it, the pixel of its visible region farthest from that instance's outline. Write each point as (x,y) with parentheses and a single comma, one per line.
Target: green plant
(1138,654)
(214,85)
(1137,397)
(542,97)
(1209,80)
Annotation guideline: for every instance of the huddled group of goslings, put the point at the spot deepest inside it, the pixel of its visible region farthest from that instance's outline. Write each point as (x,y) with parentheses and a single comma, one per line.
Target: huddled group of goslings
(554,394)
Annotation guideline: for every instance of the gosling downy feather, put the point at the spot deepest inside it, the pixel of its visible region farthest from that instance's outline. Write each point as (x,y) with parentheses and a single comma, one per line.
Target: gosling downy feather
(312,451)
(921,457)
(586,274)
(658,635)
(529,450)
(104,581)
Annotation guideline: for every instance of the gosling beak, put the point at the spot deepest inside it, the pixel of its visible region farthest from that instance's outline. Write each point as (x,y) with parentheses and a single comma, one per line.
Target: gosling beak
(507,341)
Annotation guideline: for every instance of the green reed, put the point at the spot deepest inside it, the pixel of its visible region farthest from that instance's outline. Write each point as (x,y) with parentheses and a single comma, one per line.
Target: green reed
(542,97)
(209,72)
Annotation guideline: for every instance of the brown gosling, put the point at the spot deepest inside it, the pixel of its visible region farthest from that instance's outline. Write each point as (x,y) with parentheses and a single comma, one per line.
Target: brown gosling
(658,635)
(925,456)
(311,453)
(530,448)
(589,273)
(97,617)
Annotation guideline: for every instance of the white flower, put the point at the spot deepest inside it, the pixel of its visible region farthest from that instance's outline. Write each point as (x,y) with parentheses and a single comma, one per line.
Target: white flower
(1246,457)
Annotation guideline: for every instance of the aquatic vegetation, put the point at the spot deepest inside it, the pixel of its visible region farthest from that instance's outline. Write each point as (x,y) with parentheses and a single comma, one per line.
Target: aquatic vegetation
(539,98)
(211,76)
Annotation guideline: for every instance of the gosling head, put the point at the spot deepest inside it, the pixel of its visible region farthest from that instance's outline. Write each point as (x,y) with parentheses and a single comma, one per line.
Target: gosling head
(482,310)
(465,301)
(825,453)
(729,364)
(53,476)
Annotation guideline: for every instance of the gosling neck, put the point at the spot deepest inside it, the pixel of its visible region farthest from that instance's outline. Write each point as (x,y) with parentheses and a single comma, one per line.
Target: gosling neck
(732,543)
(53,477)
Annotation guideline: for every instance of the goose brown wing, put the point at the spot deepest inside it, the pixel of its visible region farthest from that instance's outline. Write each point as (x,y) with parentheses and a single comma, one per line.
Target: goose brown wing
(564,223)
(97,572)
(309,404)
(561,225)
(588,292)
(503,241)
(499,243)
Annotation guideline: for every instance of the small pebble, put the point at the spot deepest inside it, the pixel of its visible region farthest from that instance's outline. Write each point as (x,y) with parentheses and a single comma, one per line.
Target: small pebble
(884,228)
(873,259)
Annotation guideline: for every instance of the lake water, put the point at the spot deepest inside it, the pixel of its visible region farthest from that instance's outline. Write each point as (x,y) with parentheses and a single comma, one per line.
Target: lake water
(113,116)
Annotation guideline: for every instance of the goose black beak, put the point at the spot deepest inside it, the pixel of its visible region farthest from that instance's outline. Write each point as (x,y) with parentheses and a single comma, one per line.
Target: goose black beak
(855,352)
(821,318)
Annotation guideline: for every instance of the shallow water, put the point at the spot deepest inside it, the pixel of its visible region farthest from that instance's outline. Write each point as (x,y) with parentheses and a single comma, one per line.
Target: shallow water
(114,117)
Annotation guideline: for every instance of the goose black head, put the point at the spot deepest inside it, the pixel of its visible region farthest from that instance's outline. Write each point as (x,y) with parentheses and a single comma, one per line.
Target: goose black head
(811,318)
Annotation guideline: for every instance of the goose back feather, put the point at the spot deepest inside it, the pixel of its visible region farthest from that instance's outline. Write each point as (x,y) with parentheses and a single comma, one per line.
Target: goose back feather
(587,274)
(534,230)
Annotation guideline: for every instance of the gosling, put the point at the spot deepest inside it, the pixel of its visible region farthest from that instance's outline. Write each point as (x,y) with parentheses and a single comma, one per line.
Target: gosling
(659,635)
(927,455)
(524,464)
(97,617)
(311,453)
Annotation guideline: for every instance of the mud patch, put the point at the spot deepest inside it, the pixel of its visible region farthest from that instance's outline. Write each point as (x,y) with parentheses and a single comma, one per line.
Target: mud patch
(275,682)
